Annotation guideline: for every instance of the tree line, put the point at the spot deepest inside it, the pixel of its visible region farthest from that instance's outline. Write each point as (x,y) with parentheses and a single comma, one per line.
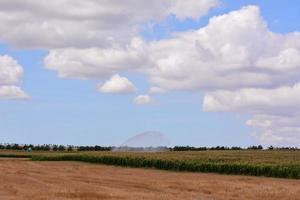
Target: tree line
(54,147)
(258,147)
(189,148)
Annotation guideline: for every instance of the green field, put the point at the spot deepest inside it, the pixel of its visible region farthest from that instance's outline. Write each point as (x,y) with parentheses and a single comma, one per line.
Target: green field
(271,163)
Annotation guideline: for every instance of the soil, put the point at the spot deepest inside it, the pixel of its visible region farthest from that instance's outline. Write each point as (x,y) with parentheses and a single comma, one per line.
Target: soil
(22,179)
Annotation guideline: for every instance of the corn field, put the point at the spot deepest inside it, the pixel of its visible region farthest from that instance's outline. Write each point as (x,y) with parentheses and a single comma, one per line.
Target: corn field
(280,164)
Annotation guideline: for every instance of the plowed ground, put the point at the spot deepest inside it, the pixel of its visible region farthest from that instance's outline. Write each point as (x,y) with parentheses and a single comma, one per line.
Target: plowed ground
(22,179)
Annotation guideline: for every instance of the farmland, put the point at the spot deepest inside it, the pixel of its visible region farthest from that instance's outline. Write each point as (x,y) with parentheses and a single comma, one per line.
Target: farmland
(269,163)
(22,179)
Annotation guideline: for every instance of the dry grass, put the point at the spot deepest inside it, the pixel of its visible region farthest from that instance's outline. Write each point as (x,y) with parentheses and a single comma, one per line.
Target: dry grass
(24,179)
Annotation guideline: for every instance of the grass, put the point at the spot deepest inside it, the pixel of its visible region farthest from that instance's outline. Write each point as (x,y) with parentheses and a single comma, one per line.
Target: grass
(282,164)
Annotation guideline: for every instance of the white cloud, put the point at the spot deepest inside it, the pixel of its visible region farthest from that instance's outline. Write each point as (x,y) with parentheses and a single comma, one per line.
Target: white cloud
(10,70)
(82,36)
(191,8)
(117,84)
(96,63)
(222,55)
(156,90)
(89,39)
(276,129)
(275,112)
(143,99)
(253,100)
(236,61)
(10,75)
(12,92)
(235,50)
(287,59)
(83,40)
(86,23)
(241,66)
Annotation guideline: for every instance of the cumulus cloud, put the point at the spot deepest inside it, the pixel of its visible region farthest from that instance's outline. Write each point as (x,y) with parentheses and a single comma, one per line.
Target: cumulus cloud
(89,39)
(88,23)
(12,92)
(235,60)
(287,59)
(235,50)
(118,85)
(275,112)
(191,8)
(81,35)
(240,66)
(82,38)
(10,70)
(156,90)
(10,75)
(253,100)
(143,99)
(276,129)
(96,63)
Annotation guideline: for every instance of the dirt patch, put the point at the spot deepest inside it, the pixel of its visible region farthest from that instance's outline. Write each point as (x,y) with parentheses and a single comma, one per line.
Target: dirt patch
(21,179)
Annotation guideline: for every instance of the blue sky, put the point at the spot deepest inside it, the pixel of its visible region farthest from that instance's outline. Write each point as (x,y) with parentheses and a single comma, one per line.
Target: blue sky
(72,111)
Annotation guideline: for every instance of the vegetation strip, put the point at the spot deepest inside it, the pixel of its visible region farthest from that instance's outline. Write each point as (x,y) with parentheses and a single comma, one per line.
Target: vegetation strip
(271,163)
(15,156)
(268,170)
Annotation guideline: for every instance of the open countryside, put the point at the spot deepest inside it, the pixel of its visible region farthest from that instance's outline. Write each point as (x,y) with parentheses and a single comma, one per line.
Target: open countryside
(149,100)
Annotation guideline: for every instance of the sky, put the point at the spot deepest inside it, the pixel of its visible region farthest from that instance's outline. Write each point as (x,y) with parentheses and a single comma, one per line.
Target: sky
(202,72)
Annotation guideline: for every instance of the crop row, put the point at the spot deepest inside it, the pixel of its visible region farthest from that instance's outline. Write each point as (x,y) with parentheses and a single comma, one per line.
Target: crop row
(280,171)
